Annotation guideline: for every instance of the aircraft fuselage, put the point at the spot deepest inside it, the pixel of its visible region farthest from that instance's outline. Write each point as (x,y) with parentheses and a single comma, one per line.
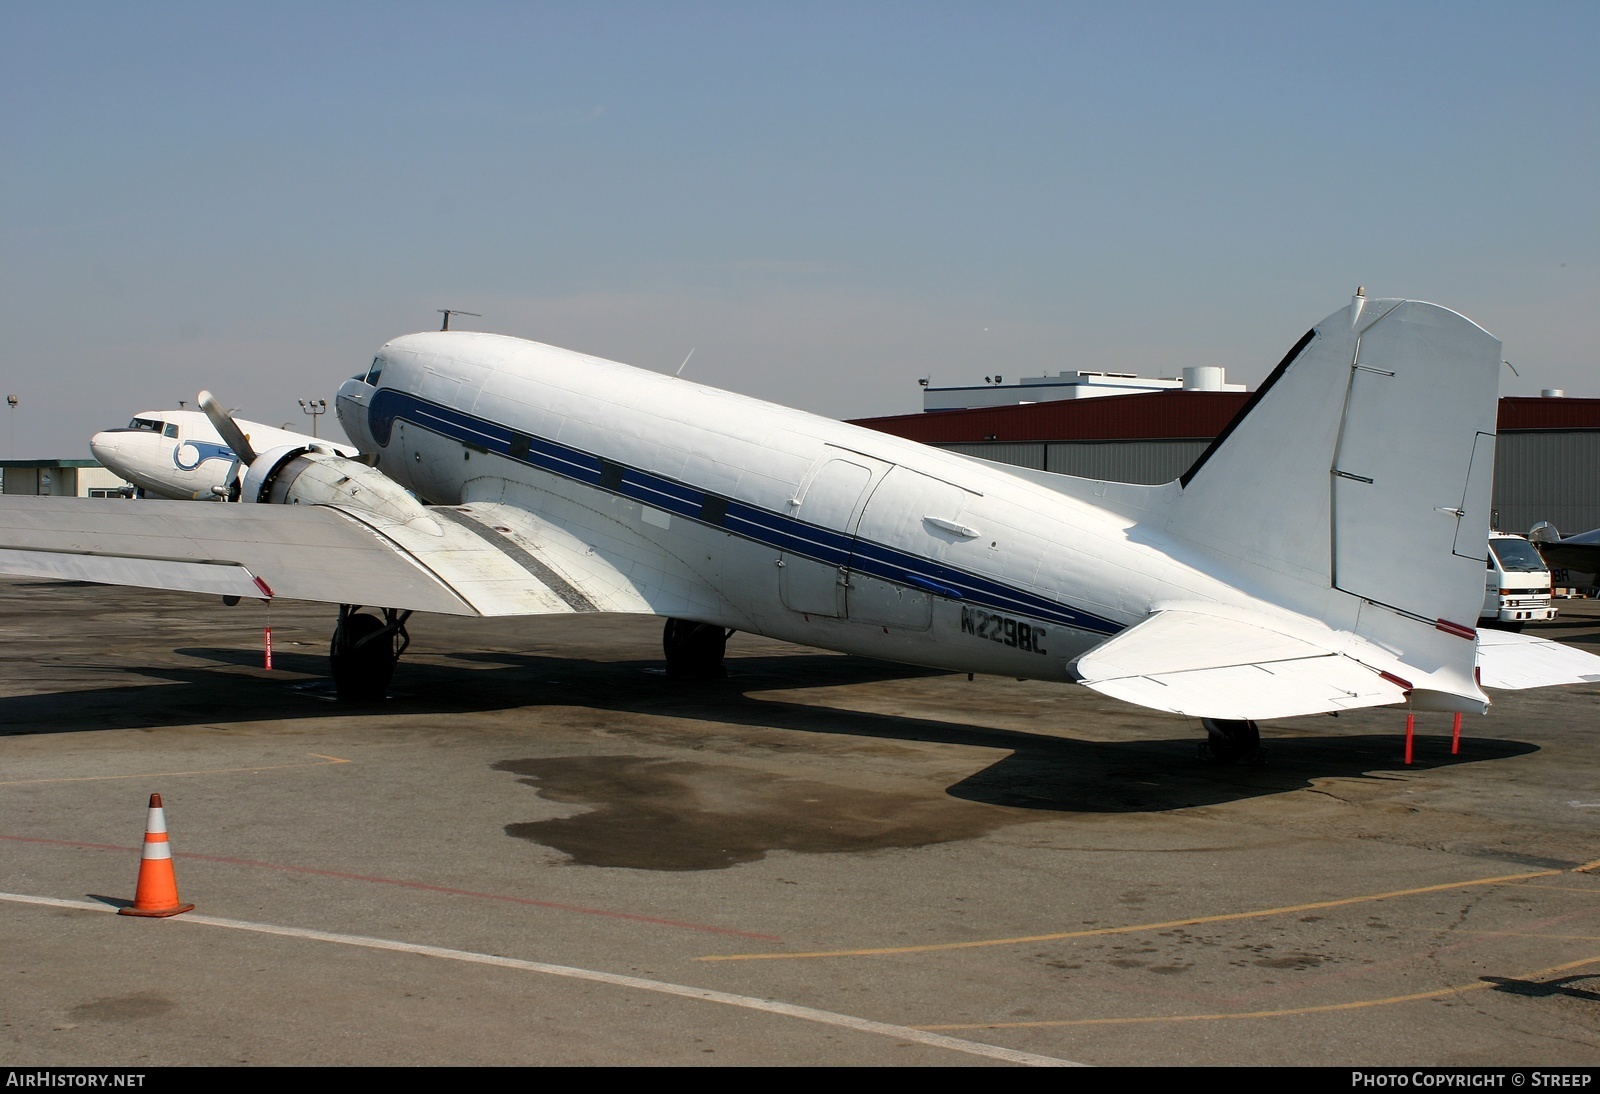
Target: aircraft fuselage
(769,519)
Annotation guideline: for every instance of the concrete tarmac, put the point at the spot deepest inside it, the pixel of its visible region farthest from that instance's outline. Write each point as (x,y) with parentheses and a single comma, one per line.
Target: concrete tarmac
(540,850)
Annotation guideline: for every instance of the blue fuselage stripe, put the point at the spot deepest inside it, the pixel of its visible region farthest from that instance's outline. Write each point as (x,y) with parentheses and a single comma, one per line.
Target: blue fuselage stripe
(786,533)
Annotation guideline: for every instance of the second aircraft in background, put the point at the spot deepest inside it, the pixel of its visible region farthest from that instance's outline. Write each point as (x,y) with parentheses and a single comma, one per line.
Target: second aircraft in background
(179,454)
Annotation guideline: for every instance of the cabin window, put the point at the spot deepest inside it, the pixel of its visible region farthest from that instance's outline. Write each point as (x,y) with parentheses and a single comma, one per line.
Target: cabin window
(170,430)
(146,423)
(375,372)
(714,510)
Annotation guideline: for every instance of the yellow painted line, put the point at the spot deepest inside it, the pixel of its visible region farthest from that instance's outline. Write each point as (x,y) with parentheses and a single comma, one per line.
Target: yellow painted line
(1226,917)
(1326,1008)
(326,760)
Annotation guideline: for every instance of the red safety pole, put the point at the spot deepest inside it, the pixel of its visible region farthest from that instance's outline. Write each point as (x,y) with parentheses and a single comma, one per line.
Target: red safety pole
(1411,726)
(1455,738)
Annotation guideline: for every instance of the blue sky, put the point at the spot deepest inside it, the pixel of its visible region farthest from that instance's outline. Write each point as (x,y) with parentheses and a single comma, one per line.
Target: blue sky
(823,201)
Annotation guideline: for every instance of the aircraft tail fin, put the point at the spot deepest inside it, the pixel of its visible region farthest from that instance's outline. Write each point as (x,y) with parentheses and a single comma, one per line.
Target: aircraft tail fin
(1363,466)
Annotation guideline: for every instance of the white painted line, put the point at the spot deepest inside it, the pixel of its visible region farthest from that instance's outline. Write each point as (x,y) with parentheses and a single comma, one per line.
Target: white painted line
(770,1006)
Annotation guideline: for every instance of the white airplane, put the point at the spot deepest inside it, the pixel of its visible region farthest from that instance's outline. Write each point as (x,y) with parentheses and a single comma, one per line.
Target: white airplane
(1325,553)
(179,453)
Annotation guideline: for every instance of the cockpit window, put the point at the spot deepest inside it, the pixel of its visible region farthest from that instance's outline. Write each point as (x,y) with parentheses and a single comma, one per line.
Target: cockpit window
(171,430)
(148,423)
(375,372)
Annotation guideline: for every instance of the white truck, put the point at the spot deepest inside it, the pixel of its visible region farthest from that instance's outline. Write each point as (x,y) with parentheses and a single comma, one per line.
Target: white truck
(1516,589)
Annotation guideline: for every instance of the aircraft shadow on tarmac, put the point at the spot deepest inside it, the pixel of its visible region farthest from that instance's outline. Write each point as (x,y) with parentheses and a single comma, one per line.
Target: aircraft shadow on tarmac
(1536,989)
(1039,772)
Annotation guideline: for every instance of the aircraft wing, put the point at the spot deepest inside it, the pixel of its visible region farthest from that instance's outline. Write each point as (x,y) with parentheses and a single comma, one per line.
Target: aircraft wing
(465,560)
(1512,662)
(1213,666)
(1580,552)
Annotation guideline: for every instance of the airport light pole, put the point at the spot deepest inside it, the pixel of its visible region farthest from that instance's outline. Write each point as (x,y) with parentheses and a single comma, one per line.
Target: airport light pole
(314,407)
(11,400)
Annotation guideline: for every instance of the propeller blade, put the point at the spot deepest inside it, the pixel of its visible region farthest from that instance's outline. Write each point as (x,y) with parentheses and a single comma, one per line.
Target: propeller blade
(228,428)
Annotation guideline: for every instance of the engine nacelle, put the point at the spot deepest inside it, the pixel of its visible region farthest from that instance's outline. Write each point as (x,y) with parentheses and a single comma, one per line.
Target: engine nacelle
(301,475)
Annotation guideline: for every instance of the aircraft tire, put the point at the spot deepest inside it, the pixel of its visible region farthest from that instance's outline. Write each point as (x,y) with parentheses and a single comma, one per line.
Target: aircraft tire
(361,673)
(694,650)
(1229,741)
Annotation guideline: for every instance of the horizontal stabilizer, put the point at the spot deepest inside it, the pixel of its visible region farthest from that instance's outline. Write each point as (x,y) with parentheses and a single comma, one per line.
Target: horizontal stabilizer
(1209,666)
(1511,662)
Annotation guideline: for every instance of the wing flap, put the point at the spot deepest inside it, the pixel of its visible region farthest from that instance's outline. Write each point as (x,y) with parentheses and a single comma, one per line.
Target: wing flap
(589,578)
(1226,667)
(504,561)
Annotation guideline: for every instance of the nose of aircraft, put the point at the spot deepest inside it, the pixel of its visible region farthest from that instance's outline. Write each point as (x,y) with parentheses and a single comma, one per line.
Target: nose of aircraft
(103,446)
(351,404)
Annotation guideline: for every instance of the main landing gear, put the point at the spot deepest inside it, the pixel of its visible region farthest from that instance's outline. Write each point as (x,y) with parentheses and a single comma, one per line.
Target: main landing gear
(695,650)
(364,651)
(1229,742)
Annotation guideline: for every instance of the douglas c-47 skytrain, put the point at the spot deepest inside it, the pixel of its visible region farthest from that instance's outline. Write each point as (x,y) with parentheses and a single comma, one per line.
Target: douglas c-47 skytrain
(179,454)
(1325,553)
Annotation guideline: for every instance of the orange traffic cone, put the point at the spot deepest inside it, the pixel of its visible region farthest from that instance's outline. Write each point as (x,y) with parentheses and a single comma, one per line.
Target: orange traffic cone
(157,894)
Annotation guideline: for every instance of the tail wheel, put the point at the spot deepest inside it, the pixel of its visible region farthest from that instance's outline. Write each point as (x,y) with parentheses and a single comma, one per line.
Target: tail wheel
(694,650)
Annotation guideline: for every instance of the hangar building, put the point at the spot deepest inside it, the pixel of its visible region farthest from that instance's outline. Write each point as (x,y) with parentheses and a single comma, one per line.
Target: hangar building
(1547,459)
(61,479)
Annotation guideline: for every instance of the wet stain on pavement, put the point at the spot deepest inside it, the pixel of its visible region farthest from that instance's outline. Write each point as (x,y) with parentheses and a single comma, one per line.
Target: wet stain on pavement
(123,1008)
(678,815)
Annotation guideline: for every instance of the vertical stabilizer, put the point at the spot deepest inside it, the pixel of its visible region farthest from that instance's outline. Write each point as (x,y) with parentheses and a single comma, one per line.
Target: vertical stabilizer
(1362,466)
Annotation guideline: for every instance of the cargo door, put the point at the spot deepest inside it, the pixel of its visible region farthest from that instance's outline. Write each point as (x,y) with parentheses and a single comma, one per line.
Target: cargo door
(817,541)
(906,529)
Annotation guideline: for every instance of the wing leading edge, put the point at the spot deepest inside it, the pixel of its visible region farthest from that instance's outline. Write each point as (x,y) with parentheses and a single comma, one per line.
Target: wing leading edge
(460,561)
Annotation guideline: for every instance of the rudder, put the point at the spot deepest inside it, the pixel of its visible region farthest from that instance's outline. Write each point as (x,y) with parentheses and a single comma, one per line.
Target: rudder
(1363,465)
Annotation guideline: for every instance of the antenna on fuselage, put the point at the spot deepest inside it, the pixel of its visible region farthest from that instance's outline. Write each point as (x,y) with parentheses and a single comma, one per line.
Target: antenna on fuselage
(448,312)
(685,361)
